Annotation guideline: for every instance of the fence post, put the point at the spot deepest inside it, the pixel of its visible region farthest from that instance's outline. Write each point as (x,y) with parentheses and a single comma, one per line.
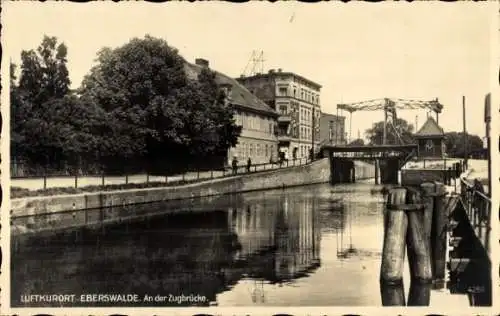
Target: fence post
(166,179)
(393,253)
(211,174)
(147,177)
(184,177)
(126,178)
(102,178)
(76,179)
(198,174)
(45,181)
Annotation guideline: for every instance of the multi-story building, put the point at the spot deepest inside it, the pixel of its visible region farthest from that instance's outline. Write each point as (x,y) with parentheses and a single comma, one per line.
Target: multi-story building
(332,129)
(297,100)
(258,140)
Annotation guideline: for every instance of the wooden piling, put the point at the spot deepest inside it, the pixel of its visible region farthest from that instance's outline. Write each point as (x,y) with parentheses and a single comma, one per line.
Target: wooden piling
(419,295)
(376,172)
(392,295)
(439,234)
(417,243)
(391,271)
(428,192)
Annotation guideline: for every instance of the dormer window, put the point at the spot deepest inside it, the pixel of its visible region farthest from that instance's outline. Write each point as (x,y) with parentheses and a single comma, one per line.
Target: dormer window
(227,89)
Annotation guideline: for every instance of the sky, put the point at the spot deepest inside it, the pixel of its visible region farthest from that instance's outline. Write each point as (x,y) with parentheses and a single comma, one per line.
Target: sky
(356,51)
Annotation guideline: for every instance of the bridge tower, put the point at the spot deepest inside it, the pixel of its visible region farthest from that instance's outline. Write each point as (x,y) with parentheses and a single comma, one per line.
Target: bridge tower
(430,140)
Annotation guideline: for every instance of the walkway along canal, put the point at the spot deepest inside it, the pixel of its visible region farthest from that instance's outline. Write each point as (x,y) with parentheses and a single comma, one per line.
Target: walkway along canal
(317,245)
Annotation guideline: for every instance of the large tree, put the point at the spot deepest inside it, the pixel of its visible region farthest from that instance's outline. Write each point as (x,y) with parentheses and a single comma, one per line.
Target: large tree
(454,142)
(403,128)
(44,78)
(157,112)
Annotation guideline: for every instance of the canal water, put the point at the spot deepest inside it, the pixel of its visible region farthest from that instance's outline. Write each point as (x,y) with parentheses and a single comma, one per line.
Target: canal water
(307,246)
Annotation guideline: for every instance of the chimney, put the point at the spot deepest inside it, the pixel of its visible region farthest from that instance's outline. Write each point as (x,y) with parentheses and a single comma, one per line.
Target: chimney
(202,62)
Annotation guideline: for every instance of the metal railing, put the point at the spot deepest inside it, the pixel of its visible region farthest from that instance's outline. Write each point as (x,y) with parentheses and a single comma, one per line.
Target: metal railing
(47,181)
(478,209)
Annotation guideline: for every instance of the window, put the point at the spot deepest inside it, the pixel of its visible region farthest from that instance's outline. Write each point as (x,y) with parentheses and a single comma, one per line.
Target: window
(283,109)
(267,150)
(282,91)
(251,150)
(258,150)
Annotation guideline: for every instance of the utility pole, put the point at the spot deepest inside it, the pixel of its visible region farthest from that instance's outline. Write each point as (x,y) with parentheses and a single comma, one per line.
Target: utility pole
(466,153)
(337,123)
(350,126)
(384,135)
(487,120)
(313,129)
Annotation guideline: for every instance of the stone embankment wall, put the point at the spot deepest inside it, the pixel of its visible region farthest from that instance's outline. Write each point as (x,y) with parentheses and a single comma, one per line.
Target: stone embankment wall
(317,172)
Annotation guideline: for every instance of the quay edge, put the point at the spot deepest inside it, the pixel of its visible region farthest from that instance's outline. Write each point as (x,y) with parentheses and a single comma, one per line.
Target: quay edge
(31,207)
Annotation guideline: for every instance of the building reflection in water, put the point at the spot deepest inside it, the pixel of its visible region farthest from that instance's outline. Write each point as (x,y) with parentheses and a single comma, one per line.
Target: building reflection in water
(263,237)
(279,239)
(284,230)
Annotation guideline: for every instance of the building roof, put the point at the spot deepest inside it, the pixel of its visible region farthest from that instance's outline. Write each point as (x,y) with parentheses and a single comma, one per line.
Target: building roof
(328,116)
(240,96)
(430,128)
(273,73)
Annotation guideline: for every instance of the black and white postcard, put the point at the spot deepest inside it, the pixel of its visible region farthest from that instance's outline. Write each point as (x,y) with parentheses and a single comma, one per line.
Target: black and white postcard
(249,158)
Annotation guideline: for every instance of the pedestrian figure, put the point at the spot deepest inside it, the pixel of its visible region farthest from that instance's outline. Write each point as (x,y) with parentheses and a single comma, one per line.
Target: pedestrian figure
(235,165)
(249,164)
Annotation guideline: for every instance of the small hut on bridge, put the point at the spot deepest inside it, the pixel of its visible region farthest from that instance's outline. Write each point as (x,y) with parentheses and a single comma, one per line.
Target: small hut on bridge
(430,140)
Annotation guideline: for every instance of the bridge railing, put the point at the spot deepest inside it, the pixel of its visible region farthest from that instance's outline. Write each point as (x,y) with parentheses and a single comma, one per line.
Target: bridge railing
(478,208)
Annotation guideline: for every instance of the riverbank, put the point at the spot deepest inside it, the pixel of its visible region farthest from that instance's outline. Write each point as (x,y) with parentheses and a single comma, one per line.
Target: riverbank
(28,212)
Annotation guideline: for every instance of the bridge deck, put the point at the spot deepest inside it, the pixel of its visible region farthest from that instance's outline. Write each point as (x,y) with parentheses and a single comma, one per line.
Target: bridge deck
(376,148)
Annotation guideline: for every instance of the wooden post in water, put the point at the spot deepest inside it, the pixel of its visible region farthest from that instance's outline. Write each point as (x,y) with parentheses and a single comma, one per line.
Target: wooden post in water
(376,172)
(419,258)
(428,192)
(420,294)
(391,271)
(393,295)
(438,236)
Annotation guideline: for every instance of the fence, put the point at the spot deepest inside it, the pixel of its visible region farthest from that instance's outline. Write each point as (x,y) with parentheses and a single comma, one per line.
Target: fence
(478,208)
(47,181)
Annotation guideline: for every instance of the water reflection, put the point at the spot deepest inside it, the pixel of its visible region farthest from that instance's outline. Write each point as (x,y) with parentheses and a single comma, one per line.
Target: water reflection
(316,245)
(272,239)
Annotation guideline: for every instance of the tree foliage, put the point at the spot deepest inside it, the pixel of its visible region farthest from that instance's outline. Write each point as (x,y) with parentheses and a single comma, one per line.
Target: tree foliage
(161,116)
(357,142)
(403,128)
(454,142)
(136,107)
(43,80)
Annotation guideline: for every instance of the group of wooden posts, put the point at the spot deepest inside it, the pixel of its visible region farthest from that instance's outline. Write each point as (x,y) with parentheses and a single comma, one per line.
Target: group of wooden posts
(415,220)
